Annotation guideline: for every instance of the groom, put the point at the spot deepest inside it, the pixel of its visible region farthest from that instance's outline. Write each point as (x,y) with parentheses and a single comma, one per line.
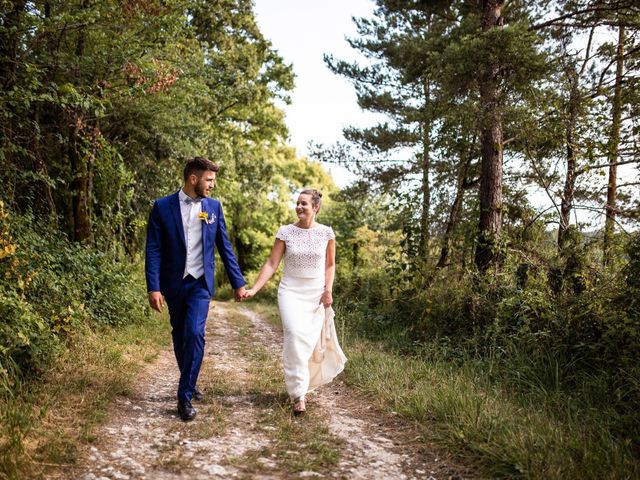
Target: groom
(182,231)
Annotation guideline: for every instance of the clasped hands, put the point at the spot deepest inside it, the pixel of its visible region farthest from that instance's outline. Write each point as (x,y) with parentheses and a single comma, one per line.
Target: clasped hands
(242,294)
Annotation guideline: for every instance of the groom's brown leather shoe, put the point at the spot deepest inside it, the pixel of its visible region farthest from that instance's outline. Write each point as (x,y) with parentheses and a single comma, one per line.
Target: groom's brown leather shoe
(186,410)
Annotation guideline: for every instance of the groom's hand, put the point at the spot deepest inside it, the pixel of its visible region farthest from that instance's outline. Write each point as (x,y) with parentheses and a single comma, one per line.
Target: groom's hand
(156,301)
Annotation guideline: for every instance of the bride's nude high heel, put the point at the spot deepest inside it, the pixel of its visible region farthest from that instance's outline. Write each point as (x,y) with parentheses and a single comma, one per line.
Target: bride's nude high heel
(299,406)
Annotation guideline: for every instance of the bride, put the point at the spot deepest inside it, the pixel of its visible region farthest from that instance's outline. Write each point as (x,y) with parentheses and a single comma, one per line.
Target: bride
(311,355)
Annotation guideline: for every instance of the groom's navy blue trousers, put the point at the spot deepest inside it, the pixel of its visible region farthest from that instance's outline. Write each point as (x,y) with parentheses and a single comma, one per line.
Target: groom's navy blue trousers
(188,311)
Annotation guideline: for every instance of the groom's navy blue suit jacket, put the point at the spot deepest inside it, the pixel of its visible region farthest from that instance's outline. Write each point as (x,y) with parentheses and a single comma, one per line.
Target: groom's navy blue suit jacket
(166,252)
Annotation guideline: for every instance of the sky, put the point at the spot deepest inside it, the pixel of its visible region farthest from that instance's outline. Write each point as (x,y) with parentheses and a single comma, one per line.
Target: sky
(322,102)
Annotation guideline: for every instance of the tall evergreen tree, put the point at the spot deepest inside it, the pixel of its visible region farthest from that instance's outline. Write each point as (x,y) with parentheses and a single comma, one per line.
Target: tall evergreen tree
(427,60)
(397,153)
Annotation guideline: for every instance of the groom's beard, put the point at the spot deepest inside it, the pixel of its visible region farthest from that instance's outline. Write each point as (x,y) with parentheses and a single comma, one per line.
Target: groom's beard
(200,191)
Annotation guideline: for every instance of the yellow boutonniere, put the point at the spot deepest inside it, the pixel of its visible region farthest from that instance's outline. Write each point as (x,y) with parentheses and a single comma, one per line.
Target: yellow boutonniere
(204,216)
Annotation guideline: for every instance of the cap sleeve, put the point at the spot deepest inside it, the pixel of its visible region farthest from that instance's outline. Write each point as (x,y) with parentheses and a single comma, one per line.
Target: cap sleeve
(281,234)
(330,234)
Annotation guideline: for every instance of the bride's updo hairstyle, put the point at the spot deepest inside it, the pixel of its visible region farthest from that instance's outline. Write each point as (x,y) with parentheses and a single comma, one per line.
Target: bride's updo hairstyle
(316,196)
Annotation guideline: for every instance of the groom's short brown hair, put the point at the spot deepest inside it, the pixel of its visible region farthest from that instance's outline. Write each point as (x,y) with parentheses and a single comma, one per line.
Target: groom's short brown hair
(197,165)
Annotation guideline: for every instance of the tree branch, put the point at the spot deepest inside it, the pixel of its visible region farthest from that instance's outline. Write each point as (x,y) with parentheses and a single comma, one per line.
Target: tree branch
(577,13)
(605,165)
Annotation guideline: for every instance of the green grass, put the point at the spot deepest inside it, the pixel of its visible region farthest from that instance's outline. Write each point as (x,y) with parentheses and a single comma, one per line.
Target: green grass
(504,434)
(60,411)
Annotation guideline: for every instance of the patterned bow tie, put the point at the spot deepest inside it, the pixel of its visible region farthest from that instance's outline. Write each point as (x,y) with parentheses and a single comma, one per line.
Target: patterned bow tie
(190,200)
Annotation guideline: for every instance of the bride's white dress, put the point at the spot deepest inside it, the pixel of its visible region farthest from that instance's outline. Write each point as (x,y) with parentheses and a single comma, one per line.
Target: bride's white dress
(311,355)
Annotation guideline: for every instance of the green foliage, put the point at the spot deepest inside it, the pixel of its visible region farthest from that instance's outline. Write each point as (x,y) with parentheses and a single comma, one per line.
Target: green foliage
(97,120)
(257,190)
(515,48)
(50,287)
(631,275)
(508,404)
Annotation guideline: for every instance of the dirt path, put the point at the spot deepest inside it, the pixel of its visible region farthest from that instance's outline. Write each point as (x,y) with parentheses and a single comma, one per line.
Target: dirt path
(244,428)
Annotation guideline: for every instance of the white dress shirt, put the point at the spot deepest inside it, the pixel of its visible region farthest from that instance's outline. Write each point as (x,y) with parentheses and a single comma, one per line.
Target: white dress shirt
(192,226)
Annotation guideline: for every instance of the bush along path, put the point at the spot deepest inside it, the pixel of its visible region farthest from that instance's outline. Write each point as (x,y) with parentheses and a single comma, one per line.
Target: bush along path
(244,427)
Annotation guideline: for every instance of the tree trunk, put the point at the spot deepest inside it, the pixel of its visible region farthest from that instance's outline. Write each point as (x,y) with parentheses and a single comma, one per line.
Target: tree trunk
(9,40)
(356,257)
(43,202)
(490,194)
(80,186)
(571,174)
(614,142)
(426,186)
(454,213)
(242,253)
(81,168)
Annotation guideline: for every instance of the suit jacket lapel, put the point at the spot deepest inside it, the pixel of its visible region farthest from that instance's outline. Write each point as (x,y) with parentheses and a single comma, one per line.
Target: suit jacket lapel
(177,216)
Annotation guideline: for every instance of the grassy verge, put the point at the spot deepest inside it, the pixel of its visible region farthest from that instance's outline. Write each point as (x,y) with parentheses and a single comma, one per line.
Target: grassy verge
(505,434)
(46,422)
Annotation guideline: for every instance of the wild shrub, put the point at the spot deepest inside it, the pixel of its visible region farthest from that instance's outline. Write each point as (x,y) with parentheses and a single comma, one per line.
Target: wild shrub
(49,287)
(571,339)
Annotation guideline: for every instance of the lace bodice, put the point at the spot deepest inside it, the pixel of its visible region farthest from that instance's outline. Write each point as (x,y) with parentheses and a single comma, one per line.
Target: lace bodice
(306,249)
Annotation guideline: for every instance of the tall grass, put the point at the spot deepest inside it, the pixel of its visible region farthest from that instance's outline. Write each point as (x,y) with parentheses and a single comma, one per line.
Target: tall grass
(535,377)
(506,413)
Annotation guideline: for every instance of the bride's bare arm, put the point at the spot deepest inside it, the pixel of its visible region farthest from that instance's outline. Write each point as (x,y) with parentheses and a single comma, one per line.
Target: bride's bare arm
(269,267)
(329,274)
